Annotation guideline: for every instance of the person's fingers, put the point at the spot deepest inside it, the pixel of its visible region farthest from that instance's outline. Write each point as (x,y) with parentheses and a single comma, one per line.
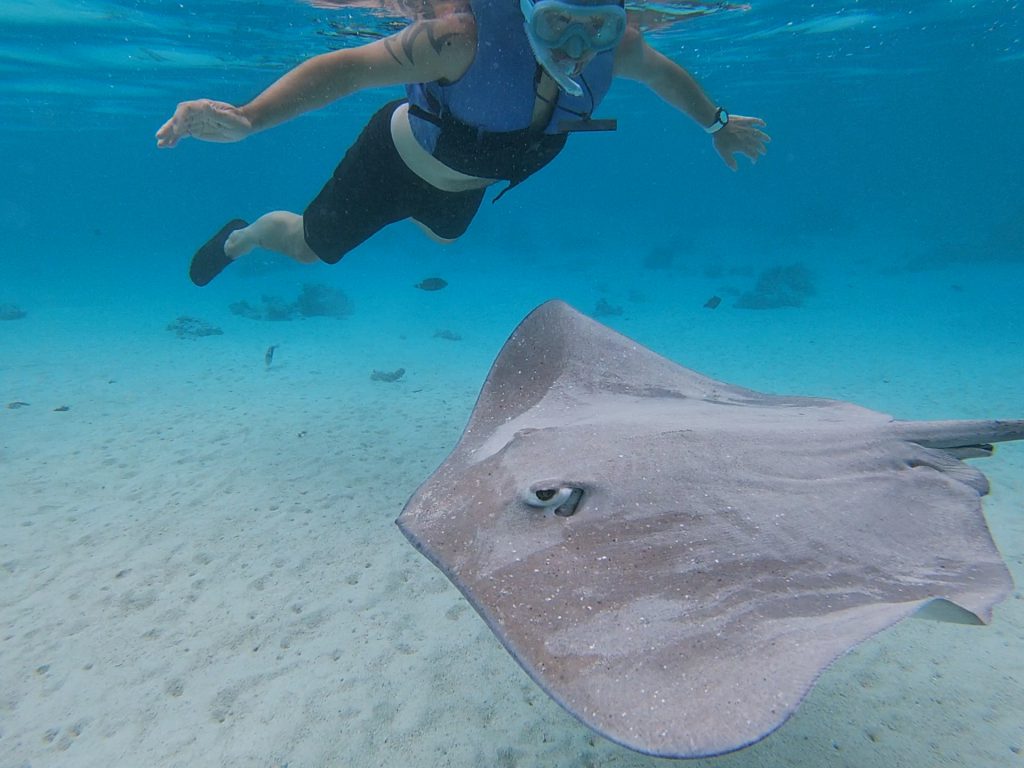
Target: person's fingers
(175,129)
(743,137)
(727,158)
(753,144)
(168,135)
(755,122)
(754,148)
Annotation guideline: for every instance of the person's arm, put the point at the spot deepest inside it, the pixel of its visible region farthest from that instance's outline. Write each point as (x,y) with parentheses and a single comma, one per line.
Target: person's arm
(636,60)
(439,49)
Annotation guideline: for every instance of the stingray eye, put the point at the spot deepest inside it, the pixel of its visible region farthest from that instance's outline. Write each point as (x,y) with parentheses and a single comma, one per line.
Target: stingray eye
(561,499)
(547,497)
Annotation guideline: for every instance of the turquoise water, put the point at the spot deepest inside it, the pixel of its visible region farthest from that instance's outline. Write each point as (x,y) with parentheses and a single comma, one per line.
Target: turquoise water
(893,179)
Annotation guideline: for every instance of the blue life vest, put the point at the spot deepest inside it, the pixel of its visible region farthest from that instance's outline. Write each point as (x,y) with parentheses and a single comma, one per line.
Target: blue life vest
(480,124)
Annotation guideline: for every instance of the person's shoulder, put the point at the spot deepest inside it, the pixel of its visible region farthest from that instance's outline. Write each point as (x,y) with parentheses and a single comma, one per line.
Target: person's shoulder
(450,40)
(453,29)
(452,35)
(630,53)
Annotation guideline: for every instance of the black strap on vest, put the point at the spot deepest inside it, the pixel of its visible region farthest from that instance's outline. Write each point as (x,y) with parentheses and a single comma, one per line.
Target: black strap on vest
(510,155)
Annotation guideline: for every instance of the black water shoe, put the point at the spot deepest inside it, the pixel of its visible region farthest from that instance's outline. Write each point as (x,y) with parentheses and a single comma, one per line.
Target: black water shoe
(210,260)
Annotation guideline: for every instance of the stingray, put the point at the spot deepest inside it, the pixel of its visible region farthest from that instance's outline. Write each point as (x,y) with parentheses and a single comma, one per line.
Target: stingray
(675,560)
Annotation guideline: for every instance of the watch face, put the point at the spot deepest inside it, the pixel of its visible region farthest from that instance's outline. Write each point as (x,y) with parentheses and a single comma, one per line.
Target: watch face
(722,116)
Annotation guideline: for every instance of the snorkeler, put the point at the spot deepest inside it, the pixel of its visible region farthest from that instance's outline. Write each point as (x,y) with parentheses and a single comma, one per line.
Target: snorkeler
(492,93)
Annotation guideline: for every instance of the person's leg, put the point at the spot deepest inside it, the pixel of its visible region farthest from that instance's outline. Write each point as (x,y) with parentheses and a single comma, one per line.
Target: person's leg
(370,189)
(278,231)
(364,195)
(342,215)
(432,234)
(445,216)
(373,187)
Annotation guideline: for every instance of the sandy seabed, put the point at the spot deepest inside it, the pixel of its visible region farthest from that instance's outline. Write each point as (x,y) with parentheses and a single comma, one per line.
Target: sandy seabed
(199,566)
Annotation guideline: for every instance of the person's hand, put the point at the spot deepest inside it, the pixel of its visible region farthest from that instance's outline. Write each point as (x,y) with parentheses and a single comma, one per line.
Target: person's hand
(741,135)
(204,119)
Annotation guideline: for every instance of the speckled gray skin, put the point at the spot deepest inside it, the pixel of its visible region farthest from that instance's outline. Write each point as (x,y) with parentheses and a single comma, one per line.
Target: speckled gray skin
(675,560)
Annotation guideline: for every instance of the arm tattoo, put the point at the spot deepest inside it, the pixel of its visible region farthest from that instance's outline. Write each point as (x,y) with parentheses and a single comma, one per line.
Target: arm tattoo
(407,40)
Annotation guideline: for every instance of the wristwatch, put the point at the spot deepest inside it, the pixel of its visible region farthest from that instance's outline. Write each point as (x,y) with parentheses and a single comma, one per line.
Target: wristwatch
(721,120)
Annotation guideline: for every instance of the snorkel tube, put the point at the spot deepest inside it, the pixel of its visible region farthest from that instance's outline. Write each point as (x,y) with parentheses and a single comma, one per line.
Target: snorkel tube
(560,73)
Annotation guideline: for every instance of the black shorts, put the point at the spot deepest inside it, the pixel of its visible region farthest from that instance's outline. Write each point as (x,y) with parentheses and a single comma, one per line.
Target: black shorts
(373,187)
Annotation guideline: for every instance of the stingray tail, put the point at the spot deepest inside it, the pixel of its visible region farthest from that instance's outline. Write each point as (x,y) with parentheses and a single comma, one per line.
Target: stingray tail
(962,439)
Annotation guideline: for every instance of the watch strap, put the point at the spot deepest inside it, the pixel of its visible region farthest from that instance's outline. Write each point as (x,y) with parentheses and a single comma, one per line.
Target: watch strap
(721,120)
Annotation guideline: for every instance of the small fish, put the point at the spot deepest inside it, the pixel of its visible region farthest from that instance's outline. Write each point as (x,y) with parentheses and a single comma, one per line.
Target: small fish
(387,375)
(431,284)
(62,408)
(17,404)
(11,312)
(268,356)
(713,302)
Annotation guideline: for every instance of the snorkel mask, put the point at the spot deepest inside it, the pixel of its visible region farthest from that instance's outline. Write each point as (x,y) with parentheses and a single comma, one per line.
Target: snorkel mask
(562,33)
